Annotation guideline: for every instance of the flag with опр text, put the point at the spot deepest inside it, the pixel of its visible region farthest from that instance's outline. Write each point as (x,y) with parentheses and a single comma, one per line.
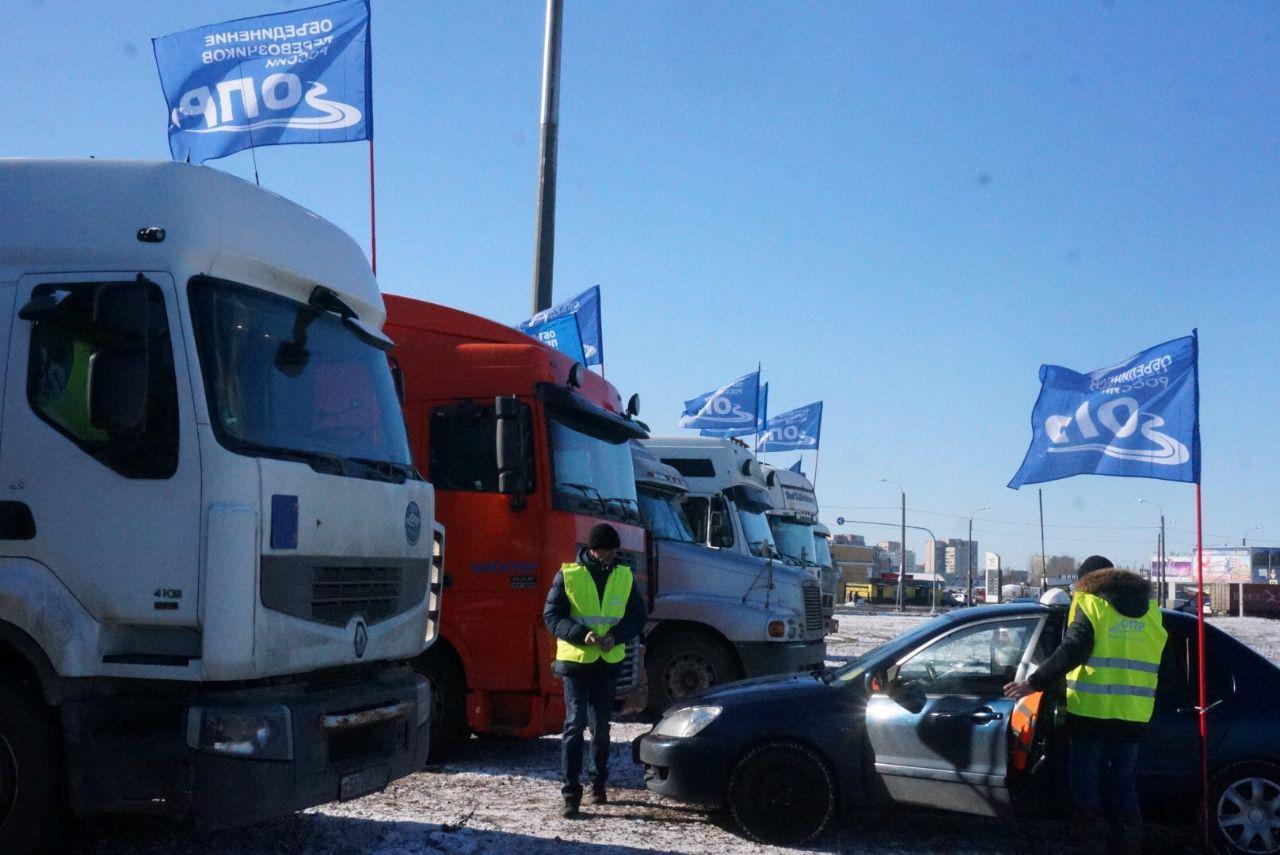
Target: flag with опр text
(586,308)
(732,407)
(795,430)
(292,77)
(1137,419)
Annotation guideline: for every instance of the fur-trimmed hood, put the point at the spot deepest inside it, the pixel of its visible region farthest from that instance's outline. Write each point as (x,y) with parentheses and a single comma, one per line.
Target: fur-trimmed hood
(1124,589)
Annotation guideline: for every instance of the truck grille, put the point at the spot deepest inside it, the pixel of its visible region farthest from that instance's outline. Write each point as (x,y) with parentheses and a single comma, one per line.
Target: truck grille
(813,620)
(332,594)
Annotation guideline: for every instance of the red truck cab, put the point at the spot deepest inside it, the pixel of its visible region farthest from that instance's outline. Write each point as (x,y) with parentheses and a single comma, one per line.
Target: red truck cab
(527,450)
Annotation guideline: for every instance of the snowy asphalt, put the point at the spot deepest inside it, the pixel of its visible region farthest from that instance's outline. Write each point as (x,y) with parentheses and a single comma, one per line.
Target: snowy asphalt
(502,796)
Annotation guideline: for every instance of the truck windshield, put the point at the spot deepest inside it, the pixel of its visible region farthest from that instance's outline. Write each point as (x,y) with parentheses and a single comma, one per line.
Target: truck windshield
(287,380)
(663,517)
(822,551)
(794,540)
(755,528)
(591,474)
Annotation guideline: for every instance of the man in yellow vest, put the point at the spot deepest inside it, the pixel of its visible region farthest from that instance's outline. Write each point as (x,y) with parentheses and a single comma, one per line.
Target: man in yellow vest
(593,609)
(1110,656)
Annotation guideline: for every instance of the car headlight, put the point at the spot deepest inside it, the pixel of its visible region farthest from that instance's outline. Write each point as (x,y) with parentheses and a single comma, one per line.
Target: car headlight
(687,721)
(263,733)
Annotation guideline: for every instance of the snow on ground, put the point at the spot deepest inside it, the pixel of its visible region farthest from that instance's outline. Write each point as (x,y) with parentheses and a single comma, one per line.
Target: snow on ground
(503,796)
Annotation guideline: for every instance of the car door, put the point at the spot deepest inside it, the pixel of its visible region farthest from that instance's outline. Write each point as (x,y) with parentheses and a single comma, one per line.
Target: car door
(939,730)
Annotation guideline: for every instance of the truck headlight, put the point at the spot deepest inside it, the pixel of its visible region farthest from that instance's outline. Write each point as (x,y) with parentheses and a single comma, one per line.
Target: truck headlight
(259,733)
(687,721)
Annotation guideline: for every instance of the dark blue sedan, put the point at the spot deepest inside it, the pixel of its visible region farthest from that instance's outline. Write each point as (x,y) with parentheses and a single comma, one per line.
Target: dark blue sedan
(922,720)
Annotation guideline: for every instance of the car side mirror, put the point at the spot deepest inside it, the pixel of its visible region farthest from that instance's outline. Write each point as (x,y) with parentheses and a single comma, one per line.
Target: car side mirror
(719,522)
(907,695)
(118,391)
(873,682)
(514,427)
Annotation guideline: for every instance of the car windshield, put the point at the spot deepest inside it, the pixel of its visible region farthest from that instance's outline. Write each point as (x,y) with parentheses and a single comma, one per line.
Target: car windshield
(284,379)
(857,665)
(663,517)
(591,474)
(794,540)
(822,551)
(755,528)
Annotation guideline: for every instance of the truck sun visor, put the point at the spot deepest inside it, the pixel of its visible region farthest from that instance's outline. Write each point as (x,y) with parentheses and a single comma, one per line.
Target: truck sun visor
(753,499)
(584,416)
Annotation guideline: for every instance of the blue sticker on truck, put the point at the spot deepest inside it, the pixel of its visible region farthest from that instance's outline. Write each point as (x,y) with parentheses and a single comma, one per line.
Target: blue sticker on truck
(412,523)
(284,522)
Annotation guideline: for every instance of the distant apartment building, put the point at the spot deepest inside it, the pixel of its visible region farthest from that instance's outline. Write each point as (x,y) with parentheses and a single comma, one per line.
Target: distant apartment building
(891,552)
(951,557)
(855,560)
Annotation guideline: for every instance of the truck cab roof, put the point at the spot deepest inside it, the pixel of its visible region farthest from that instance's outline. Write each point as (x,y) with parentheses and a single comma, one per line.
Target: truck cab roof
(711,465)
(792,493)
(70,215)
(653,473)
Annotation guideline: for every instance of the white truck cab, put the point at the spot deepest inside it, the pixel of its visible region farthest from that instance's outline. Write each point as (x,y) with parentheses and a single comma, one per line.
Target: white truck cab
(216,556)
(722,604)
(793,520)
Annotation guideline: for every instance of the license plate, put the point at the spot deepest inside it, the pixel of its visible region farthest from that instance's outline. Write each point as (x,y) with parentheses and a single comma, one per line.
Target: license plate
(363,782)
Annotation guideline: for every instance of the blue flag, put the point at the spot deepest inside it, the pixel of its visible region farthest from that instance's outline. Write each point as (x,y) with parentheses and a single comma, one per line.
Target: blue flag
(761,409)
(586,306)
(794,430)
(732,407)
(1138,419)
(562,334)
(795,467)
(293,77)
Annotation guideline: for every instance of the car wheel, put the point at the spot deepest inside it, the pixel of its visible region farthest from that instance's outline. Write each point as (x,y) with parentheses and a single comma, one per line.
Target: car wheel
(449,730)
(782,793)
(684,663)
(1244,808)
(32,789)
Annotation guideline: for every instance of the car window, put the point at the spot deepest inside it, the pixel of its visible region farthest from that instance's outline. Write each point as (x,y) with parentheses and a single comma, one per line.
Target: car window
(1176,687)
(977,659)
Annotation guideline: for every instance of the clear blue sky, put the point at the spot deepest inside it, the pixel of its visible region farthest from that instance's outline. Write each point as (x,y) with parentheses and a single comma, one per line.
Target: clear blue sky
(900,208)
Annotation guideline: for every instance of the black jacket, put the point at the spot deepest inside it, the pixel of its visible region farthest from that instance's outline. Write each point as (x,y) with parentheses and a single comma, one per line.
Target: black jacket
(555,614)
(1130,595)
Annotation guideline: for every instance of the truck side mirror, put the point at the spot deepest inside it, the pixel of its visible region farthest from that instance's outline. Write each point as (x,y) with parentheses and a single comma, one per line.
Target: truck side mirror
(118,391)
(514,427)
(721,535)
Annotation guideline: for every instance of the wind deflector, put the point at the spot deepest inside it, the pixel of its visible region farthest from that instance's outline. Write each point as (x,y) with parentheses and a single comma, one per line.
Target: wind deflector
(586,417)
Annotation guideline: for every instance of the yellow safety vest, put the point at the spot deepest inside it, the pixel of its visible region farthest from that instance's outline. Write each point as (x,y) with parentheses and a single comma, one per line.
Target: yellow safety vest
(585,606)
(1119,680)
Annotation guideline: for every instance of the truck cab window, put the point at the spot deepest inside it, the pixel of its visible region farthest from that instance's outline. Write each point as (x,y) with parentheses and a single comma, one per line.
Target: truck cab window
(68,339)
(464,447)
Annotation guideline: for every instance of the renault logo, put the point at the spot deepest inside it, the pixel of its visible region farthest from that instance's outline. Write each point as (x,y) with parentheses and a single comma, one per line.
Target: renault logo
(362,639)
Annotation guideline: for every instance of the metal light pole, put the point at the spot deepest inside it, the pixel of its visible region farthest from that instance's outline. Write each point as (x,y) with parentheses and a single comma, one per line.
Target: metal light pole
(968,548)
(902,569)
(544,249)
(840,521)
(1244,541)
(1162,578)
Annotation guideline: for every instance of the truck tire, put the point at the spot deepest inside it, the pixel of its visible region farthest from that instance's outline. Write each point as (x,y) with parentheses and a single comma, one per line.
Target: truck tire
(683,663)
(449,730)
(782,793)
(32,782)
(1243,801)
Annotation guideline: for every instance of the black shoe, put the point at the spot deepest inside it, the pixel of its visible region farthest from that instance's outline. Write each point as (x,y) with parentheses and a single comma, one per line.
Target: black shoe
(570,809)
(599,796)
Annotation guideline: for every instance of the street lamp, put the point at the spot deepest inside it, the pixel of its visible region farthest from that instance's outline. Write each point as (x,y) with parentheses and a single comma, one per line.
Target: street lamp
(1244,541)
(840,521)
(1162,578)
(902,568)
(968,548)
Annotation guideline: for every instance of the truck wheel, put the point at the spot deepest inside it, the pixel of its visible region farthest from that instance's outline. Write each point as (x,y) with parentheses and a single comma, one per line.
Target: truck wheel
(782,793)
(32,789)
(1244,808)
(449,730)
(684,663)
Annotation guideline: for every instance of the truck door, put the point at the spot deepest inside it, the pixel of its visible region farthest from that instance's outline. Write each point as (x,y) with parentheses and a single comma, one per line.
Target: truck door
(100,445)
(939,732)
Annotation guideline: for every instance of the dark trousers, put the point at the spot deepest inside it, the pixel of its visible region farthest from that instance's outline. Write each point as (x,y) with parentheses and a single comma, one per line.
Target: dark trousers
(1104,773)
(588,702)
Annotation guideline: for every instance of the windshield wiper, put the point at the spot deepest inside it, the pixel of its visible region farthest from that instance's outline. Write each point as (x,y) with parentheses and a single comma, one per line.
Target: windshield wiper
(334,463)
(587,490)
(395,472)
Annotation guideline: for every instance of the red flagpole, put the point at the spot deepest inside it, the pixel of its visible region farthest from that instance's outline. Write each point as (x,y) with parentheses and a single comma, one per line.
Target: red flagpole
(1203,705)
(373,217)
